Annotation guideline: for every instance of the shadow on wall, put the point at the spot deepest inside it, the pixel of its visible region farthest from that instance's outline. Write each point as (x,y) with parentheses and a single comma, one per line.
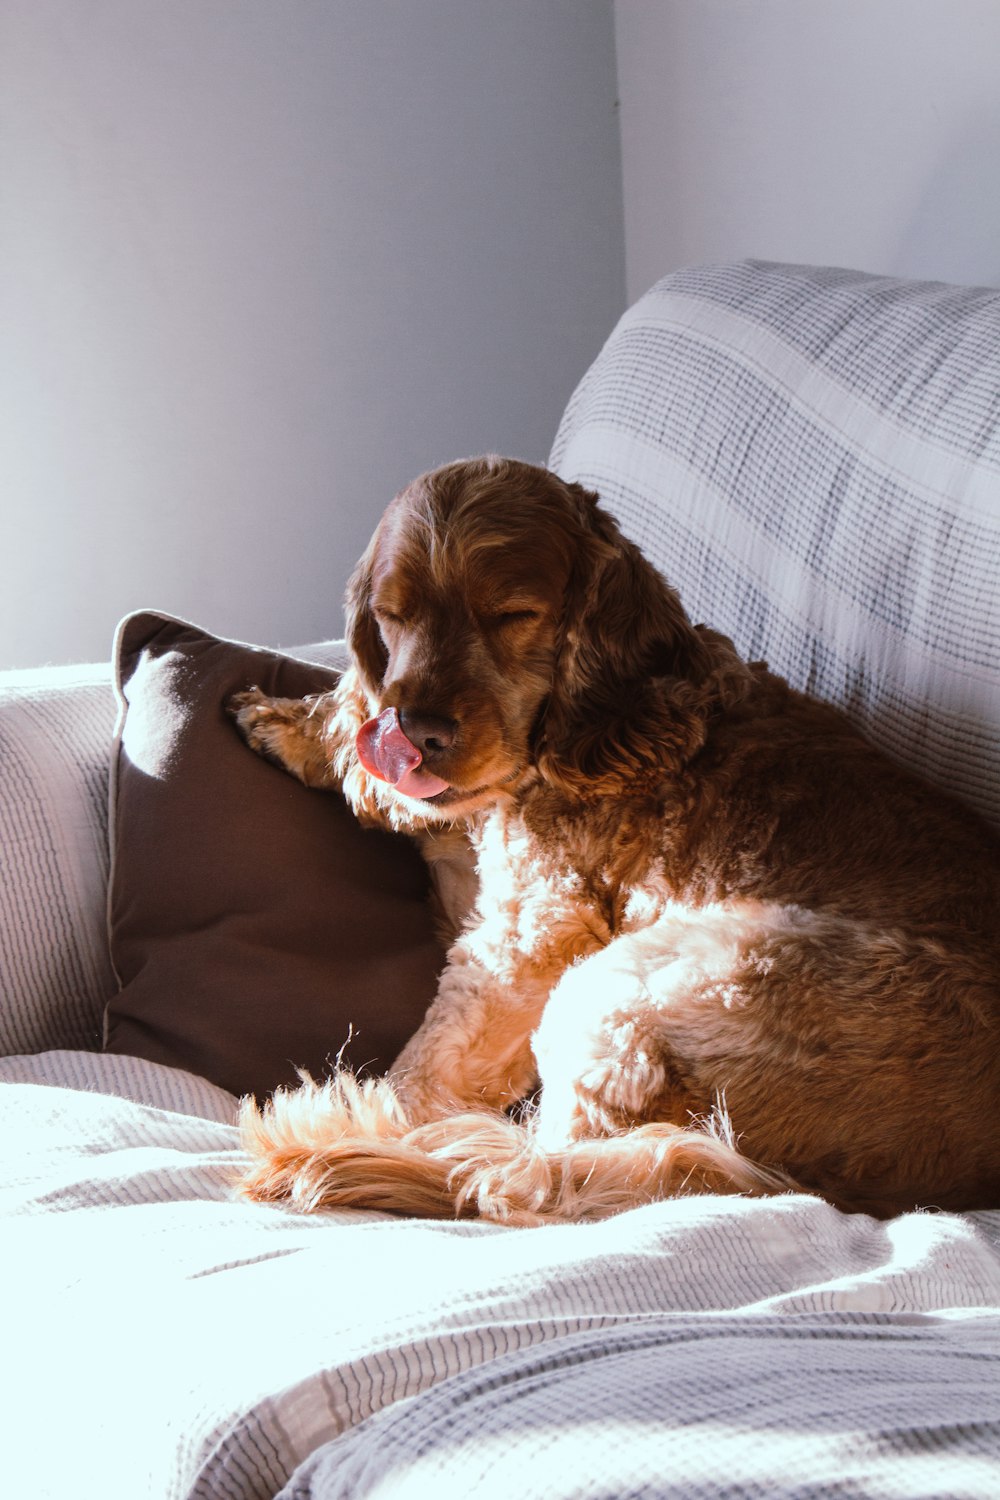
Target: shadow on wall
(963,190)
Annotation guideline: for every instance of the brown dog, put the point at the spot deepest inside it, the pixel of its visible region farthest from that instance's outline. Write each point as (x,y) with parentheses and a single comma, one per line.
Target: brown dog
(736,947)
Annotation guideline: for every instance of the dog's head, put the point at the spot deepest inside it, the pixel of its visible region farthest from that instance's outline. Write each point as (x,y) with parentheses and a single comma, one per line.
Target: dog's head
(503,628)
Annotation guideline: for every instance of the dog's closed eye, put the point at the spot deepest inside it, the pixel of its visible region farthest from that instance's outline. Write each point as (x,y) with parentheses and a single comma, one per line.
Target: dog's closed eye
(509,617)
(390,620)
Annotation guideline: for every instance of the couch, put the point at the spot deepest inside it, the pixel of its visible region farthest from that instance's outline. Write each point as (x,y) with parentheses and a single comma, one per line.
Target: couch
(812,456)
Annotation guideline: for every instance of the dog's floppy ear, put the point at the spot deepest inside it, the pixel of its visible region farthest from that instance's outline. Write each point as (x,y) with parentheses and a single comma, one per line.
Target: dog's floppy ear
(363,634)
(629,694)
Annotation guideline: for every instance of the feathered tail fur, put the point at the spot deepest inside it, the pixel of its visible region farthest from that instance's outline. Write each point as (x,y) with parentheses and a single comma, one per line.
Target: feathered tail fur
(347,1143)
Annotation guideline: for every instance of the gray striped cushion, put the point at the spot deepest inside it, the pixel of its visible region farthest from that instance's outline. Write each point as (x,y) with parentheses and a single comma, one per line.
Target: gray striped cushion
(812,456)
(55,972)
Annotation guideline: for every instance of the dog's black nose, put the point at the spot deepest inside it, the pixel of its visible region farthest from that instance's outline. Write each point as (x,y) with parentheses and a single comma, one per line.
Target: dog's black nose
(431,733)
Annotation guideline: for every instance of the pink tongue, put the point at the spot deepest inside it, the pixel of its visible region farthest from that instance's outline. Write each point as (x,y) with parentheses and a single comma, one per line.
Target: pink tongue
(385,751)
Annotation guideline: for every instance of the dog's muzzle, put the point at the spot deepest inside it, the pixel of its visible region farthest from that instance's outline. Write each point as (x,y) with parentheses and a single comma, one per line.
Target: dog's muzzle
(385,751)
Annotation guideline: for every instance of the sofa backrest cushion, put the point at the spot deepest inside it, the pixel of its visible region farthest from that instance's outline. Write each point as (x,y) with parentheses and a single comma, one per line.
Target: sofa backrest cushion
(812,457)
(55,972)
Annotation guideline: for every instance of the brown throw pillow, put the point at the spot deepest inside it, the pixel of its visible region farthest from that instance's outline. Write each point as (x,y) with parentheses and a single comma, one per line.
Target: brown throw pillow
(254,925)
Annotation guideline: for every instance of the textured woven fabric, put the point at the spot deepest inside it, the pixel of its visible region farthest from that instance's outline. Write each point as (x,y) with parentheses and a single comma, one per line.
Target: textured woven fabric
(681,1407)
(812,457)
(176,1342)
(55,972)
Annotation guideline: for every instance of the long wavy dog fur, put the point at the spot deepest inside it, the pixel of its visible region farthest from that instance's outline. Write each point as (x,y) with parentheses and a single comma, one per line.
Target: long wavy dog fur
(715,941)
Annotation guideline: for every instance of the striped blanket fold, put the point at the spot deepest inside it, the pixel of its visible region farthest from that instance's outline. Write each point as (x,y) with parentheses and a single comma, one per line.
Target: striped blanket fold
(164,1339)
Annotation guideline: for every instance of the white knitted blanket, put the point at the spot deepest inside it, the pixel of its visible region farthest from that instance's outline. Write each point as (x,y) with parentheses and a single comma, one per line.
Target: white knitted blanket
(163,1339)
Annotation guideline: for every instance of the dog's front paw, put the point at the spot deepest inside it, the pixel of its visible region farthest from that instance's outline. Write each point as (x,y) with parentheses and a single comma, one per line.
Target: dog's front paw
(262,721)
(286,731)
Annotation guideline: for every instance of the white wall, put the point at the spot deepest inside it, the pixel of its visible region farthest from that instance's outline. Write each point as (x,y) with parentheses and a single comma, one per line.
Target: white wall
(862,133)
(261,263)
